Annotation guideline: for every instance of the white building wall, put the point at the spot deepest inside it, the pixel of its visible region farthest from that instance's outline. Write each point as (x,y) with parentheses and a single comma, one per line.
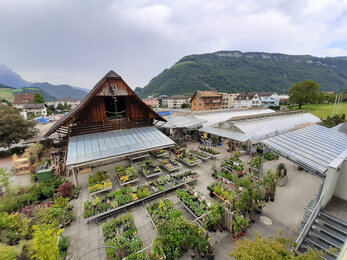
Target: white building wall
(341,186)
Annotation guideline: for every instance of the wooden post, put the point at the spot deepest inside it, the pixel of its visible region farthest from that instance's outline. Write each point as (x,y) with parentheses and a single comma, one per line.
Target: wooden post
(75,177)
(170,153)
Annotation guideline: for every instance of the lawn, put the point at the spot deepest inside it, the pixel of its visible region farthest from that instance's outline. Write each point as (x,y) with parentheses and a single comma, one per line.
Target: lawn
(6,93)
(323,110)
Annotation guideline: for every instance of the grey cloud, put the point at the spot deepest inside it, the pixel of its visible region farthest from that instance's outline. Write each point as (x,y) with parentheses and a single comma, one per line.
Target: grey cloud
(77,42)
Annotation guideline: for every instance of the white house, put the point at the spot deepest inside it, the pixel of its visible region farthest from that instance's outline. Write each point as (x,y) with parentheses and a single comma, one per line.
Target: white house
(247,99)
(269,99)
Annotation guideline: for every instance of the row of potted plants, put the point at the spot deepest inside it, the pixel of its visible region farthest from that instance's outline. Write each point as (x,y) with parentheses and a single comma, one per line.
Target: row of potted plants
(188,159)
(208,150)
(98,182)
(126,175)
(170,165)
(223,192)
(201,155)
(159,153)
(127,195)
(199,205)
(121,237)
(175,233)
(149,169)
(194,201)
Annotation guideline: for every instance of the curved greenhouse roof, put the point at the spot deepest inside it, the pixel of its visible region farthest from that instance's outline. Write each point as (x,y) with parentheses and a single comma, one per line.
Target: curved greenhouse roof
(213,118)
(263,128)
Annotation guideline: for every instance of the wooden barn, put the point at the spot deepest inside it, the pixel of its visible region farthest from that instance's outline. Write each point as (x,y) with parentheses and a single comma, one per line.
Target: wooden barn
(111,122)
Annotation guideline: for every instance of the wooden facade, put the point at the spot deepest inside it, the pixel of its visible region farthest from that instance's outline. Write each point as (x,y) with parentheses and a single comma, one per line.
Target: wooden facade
(111,105)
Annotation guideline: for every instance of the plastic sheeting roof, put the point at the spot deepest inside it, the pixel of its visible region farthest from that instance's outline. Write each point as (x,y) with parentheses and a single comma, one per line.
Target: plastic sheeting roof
(217,117)
(313,147)
(263,128)
(183,122)
(92,147)
(225,133)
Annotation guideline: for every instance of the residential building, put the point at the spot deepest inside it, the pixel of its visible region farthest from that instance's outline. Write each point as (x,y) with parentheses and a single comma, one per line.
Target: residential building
(34,110)
(228,100)
(269,99)
(247,99)
(152,102)
(206,100)
(23,99)
(177,101)
(284,99)
(173,101)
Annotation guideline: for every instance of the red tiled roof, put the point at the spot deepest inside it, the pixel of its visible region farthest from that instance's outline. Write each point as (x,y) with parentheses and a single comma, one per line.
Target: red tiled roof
(20,98)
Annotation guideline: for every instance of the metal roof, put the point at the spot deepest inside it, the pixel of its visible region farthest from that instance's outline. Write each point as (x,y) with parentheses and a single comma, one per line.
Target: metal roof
(215,117)
(225,133)
(183,122)
(313,147)
(97,146)
(262,128)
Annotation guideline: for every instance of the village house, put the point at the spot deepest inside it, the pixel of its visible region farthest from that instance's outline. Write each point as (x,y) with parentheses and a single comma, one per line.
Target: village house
(174,101)
(247,99)
(25,103)
(206,100)
(269,99)
(228,100)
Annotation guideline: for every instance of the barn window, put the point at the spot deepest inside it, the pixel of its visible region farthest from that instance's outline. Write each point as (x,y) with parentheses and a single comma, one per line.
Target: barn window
(115,107)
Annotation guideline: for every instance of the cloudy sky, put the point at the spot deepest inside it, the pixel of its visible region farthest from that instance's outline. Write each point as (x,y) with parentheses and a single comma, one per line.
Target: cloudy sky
(77,42)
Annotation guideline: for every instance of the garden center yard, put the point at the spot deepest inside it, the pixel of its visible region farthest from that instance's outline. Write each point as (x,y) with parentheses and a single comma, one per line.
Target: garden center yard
(140,223)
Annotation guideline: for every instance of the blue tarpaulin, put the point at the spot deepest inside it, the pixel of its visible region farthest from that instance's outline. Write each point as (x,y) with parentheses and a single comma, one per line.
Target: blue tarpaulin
(42,120)
(165,113)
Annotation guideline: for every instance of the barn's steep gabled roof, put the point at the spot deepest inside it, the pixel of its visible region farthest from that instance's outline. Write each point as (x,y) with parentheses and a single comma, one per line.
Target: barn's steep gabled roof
(75,111)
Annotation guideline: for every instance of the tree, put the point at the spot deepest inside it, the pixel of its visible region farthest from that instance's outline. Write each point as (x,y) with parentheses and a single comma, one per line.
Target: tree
(275,247)
(305,92)
(60,107)
(38,98)
(13,127)
(185,105)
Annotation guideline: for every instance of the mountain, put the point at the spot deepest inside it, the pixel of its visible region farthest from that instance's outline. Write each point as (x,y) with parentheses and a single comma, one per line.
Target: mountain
(60,91)
(234,71)
(12,79)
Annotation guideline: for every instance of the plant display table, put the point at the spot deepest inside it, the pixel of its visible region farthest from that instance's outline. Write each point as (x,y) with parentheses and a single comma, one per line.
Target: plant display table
(103,206)
(201,155)
(99,182)
(126,175)
(159,153)
(122,238)
(170,165)
(208,150)
(190,160)
(149,169)
(223,192)
(193,201)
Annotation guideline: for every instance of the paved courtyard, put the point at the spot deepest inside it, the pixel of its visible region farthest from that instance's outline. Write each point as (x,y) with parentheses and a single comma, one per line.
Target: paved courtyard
(285,212)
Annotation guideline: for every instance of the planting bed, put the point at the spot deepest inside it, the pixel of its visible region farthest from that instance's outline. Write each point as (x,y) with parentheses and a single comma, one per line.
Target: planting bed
(223,192)
(229,174)
(190,160)
(126,175)
(195,202)
(159,153)
(209,150)
(201,155)
(121,234)
(170,165)
(102,206)
(99,182)
(175,233)
(149,169)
